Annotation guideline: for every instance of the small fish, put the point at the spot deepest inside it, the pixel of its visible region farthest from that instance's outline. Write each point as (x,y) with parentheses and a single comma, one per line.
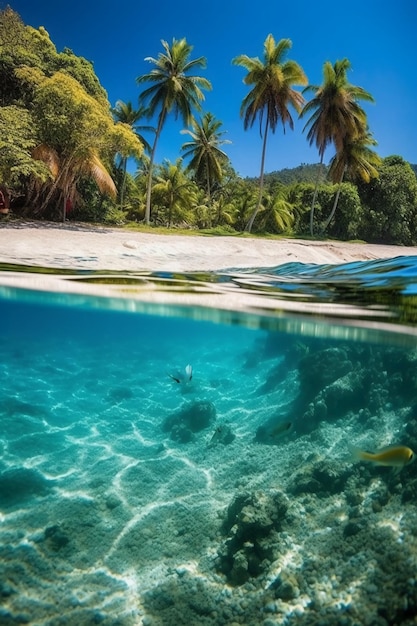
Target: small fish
(183,377)
(394,456)
(281,429)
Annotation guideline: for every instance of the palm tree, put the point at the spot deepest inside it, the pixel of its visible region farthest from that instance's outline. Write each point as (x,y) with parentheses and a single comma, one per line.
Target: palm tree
(272,93)
(335,113)
(276,213)
(66,171)
(176,190)
(125,113)
(356,159)
(173,90)
(207,158)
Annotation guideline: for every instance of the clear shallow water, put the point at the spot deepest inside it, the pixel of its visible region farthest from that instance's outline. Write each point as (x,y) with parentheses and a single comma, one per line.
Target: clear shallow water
(232,498)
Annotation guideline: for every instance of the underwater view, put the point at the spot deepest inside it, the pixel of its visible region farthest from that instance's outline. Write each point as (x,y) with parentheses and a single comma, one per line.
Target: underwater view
(230,448)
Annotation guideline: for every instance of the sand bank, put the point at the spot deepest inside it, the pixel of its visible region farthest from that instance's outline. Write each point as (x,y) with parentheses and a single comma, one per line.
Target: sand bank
(96,248)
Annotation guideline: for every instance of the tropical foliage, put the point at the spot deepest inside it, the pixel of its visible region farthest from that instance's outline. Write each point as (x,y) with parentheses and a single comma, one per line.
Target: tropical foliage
(207,160)
(175,193)
(62,146)
(389,204)
(57,107)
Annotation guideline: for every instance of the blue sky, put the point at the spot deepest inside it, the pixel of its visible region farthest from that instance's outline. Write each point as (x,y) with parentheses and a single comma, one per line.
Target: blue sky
(377,36)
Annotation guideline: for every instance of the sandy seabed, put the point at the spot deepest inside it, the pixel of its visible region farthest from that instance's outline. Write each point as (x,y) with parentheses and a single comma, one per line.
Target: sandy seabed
(82,247)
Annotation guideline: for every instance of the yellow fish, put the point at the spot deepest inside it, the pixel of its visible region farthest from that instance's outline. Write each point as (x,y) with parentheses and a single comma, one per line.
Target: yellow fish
(394,456)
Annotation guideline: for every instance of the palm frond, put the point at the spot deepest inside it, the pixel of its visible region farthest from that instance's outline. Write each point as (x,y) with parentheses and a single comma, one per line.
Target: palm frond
(49,156)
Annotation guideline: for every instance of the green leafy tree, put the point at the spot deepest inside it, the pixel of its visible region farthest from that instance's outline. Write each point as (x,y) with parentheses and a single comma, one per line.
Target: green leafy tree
(13,46)
(206,157)
(272,93)
(336,115)
(176,193)
(390,204)
(18,139)
(63,117)
(25,46)
(348,223)
(173,90)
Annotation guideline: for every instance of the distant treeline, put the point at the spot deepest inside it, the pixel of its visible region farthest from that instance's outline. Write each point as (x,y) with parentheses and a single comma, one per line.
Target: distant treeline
(304,173)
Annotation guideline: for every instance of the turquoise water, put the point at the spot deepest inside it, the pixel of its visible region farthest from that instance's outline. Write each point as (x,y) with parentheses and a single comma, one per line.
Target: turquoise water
(132,493)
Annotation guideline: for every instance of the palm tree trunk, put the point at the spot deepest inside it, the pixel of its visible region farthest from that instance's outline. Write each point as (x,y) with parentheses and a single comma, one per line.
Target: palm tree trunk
(56,184)
(122,188)
(150,171)
(336,200)
(208,185)
(261,180)
(170,208)
(316,188)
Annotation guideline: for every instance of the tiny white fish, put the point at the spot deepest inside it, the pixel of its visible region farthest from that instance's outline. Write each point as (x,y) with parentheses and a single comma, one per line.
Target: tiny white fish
(183,377)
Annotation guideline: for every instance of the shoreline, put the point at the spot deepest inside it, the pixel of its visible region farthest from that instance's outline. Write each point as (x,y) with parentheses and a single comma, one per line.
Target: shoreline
(76,246)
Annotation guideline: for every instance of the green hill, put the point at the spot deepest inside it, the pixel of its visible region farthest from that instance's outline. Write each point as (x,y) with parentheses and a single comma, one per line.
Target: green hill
(304,173)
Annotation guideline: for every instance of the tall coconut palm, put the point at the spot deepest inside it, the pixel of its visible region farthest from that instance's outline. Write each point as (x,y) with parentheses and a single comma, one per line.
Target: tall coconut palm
(174,90)
(271,95)
(355,158)
(207,158)
(335,113)
(125,113)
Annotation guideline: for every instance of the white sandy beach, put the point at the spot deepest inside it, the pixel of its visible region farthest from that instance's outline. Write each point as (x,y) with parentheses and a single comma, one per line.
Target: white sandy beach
(83,247)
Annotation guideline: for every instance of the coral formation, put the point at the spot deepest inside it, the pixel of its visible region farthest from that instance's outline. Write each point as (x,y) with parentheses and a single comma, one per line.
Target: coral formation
(251,525)
(190,419)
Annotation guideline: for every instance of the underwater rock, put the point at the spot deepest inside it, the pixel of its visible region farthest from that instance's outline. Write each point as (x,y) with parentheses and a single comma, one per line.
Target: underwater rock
(335,400)
(251,523)
(352,527)
(223,434)
(273,431)
(112,502)
(186,600)
(319,369)
(344,394)
(181,433)
(6,590)
(20,484)
(191,418)
(324,477)
(285,587)
(55,537)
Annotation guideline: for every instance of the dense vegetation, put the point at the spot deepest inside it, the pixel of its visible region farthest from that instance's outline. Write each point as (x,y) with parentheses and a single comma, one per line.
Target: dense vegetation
(64,152)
